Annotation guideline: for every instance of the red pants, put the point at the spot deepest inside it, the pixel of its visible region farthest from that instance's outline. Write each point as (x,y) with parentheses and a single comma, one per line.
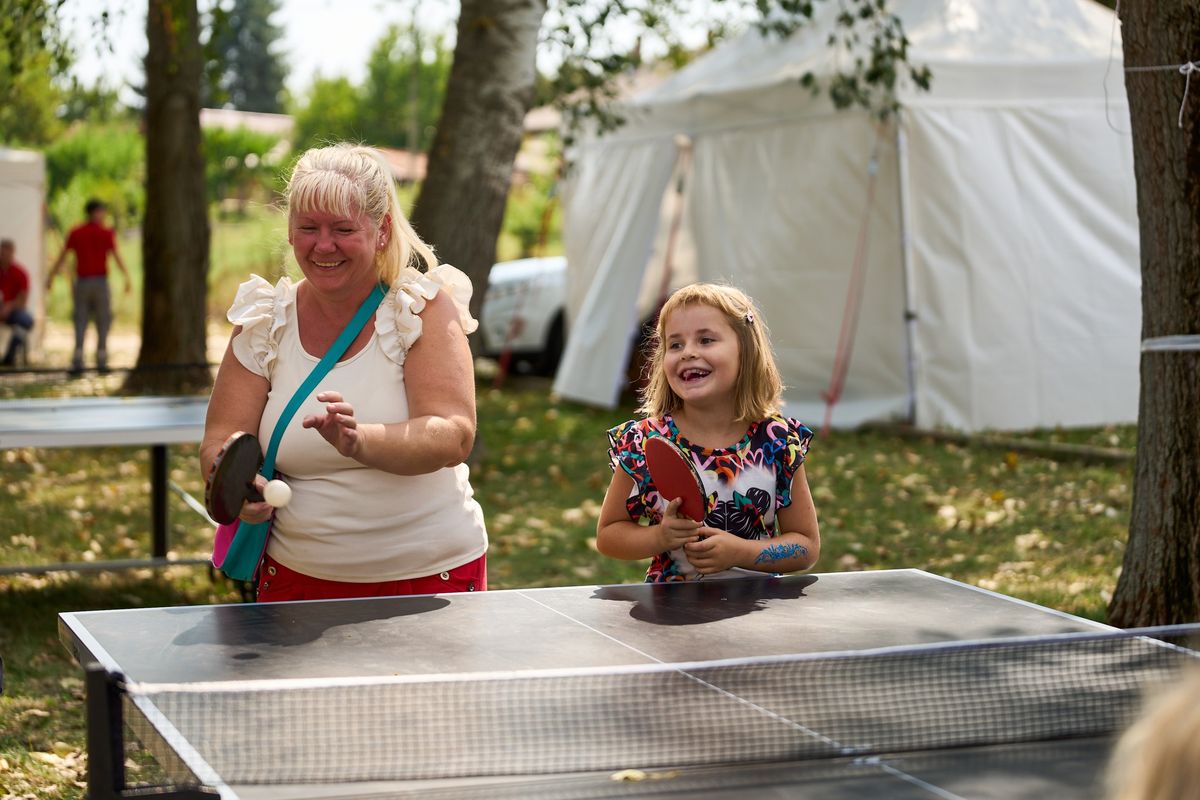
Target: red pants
(277,583)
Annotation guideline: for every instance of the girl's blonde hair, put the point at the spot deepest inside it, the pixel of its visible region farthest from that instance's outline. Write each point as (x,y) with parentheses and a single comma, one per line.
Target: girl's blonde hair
(347,179)
(1158,756)
(758,390)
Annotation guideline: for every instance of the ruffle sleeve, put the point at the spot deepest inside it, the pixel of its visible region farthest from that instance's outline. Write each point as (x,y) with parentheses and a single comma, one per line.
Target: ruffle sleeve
(789,440)
(261,311)
(398,321)
(625,449)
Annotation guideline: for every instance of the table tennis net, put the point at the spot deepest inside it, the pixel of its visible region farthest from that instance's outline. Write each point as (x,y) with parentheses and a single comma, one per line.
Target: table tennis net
(775,709)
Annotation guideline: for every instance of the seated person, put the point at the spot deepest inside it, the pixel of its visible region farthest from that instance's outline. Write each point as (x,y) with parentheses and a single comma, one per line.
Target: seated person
(14,292)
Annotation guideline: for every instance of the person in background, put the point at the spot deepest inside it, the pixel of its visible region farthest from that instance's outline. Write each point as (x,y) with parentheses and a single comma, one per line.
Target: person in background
(14,293)
(381,500)
(91,242)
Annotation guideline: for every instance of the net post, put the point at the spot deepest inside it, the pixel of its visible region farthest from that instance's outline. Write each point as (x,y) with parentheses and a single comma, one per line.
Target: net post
(105,734)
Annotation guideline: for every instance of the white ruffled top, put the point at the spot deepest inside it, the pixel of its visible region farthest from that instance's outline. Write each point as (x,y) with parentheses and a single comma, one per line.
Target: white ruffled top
(347,521)
(262,312)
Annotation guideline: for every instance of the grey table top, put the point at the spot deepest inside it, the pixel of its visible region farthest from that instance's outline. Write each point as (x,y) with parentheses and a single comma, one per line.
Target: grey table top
(101,421)
(625,627)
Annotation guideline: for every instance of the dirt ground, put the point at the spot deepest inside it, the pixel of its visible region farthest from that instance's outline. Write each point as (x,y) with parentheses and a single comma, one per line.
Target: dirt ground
(54,345)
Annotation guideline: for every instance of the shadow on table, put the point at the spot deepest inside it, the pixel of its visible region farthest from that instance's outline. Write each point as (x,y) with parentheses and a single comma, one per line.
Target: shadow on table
(699,602)
(292,624)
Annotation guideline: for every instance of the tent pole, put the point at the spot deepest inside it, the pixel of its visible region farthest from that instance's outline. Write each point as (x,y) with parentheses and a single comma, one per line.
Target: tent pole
(910,313)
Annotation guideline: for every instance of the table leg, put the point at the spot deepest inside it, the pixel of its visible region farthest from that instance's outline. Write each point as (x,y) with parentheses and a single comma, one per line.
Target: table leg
(105,734)
(158,507)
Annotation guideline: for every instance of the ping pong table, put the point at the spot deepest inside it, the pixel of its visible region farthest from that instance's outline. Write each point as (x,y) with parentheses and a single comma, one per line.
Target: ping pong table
(155,422)
(551,653)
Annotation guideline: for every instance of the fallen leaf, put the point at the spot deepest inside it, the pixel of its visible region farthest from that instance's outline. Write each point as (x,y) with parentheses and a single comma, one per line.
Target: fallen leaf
(628,775)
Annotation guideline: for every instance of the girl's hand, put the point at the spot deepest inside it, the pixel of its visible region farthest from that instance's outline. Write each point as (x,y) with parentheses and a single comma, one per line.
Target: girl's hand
(337,424)
(675,531)
(715,550)
(260,511)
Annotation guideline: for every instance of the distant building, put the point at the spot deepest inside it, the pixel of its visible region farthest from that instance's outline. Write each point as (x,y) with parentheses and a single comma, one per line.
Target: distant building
(407,167)
(280,125)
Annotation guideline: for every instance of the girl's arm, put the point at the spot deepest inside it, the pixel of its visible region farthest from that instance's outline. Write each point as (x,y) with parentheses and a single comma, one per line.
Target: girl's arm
(237,402)
(618,536)
(440,383)
(797,546)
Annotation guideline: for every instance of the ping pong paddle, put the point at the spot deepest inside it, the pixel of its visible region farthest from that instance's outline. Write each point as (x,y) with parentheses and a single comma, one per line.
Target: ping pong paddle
(231,480)
(675,477)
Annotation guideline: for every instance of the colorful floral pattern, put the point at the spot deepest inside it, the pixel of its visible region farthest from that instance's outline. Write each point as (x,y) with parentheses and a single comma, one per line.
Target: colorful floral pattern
(745,483)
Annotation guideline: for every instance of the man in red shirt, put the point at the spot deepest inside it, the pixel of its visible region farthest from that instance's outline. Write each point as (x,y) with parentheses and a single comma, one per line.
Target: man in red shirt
(91,242)
(14,291)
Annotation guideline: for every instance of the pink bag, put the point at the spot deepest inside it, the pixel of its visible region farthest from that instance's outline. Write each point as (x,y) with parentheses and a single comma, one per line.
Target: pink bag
(222,538)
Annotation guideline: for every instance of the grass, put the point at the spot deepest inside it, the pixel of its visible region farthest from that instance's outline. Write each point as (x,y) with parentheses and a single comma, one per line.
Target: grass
(1048,531)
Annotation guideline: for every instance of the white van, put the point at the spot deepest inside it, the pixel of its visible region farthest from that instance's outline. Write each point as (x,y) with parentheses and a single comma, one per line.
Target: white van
(524,311)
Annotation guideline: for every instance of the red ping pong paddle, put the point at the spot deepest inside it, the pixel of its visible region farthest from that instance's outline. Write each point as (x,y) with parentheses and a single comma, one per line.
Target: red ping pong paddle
(231,479)
(675,476)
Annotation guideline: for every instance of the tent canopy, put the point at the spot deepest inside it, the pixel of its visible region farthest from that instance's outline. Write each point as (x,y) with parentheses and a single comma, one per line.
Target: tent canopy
(992,222)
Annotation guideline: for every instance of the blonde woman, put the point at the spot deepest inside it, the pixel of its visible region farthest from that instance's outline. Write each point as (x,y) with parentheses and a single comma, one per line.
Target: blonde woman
(381,501)
(715,392)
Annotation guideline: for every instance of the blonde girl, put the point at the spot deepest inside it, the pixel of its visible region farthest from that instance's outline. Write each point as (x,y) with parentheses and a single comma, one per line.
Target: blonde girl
(715,392)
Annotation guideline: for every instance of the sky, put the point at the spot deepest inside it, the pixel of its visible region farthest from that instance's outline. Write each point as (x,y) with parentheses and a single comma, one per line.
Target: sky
(326,37)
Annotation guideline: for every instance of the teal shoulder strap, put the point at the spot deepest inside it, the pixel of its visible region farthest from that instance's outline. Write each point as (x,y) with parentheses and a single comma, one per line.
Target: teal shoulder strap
(246,550)
(339,346)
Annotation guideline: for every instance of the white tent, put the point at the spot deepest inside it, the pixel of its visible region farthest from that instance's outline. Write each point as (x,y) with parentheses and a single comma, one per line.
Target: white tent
(999,251)
(22,210)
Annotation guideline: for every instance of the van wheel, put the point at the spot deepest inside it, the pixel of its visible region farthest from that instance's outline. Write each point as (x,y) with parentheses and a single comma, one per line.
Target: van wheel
(547,361)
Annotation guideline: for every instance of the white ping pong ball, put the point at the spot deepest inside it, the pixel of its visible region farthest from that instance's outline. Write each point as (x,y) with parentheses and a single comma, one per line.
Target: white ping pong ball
(277,493)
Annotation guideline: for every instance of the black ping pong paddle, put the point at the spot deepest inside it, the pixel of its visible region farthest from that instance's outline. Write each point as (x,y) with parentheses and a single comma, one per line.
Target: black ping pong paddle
(231,479)
(675,476)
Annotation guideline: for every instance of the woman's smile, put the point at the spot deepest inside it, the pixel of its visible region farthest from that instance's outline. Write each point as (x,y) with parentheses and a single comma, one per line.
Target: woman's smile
(335,251)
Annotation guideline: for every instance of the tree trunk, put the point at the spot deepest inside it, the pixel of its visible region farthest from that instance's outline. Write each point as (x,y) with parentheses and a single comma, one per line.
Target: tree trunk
(175,231)
(489,91)
(1160,579)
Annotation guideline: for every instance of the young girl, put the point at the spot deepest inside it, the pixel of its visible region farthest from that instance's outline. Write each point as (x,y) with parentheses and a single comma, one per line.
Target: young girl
(714,391)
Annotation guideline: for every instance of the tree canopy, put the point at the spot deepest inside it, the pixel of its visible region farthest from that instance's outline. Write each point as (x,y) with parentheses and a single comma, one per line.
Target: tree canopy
(398,103)
(34,52)
(243,68)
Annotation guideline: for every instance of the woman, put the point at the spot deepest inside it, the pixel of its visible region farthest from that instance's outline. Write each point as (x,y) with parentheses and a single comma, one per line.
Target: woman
(381,502)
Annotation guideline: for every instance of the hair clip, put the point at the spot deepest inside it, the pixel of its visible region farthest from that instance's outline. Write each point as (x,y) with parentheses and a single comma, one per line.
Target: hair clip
(749,318)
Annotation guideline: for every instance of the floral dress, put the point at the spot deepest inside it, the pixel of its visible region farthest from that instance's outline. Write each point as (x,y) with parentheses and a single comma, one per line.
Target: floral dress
(745,483)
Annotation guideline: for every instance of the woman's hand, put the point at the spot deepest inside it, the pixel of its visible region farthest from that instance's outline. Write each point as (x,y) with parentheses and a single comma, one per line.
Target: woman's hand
(260,511)
(715,550)
(337,424)
(675,531)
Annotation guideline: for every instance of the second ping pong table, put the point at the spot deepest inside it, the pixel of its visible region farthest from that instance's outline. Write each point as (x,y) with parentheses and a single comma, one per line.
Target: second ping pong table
(574,649)
(154,422)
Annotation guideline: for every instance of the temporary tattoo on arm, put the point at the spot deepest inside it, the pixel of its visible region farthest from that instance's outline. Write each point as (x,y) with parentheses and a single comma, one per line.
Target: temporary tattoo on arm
(778,552)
